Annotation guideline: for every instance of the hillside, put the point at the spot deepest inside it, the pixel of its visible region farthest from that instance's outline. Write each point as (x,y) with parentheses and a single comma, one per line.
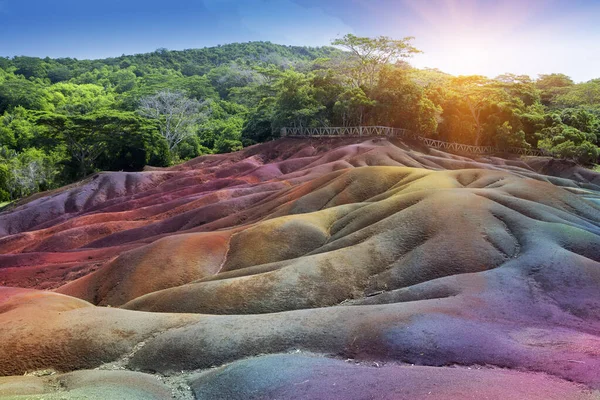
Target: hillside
(346,268)
(64,119)
(188,62)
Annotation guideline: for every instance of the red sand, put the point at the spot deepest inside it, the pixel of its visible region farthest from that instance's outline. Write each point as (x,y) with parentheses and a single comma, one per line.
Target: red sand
(436,259)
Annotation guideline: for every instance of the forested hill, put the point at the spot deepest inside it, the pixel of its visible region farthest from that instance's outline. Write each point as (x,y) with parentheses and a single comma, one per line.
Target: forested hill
(62,119)
(37,152)
(189,62)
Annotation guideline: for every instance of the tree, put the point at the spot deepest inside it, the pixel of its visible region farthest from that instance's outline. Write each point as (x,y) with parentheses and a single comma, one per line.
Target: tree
(123,80)
(552,86)
(565,141)
(22,174)
(17,130)
(400,102)
(519,86)
(532,120)
(30,67)
(505,136)
(226,77)
(582,94)
(176,115)
(571,133)
(88,136)
(59,74)
(199,87)
(252,89)
(295,103)
(228,134)
(477,92)
(352,107)
(581,119)
(69,98)
(258,126)
(368,55)
(5,177)
(22,92)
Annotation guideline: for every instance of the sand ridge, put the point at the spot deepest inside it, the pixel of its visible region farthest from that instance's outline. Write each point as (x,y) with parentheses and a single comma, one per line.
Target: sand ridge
(373,251)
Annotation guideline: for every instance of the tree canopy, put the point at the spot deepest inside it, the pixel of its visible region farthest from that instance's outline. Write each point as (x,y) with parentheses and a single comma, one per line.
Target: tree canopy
(368,55)
(61,119)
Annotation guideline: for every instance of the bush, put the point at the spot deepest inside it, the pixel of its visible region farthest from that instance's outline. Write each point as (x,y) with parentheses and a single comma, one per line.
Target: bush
(568,142)
(227,145)
(585,153)
(190,148)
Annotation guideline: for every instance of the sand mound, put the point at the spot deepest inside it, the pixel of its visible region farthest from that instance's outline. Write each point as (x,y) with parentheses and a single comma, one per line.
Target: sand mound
(368,251)
(89,385)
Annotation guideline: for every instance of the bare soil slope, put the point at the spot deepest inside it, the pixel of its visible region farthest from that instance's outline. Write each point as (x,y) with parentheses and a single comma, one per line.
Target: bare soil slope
(325,268)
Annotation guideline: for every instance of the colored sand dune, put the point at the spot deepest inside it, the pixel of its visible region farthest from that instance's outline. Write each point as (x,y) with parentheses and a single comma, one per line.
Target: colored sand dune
(325,268)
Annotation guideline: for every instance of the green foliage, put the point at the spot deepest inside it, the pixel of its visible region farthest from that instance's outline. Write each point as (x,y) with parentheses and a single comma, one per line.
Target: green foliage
(581,119)
(223,135)
(295,103)
(519,87)
(191,147)
(532,120)
(104,135)
(70,98)
(584,152)
(369,55)
(18,91)
(258,125)
(562,140)
(401,103)
(61,119)
(551,86)
(225,78)
(582,94)
(506,136)
(59,74)
(352,107)
(5,181)
(16,130)
(30,67)
(25,173)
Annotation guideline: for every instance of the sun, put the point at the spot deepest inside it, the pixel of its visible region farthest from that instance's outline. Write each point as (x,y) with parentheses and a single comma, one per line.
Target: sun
(468,55)
(470,37)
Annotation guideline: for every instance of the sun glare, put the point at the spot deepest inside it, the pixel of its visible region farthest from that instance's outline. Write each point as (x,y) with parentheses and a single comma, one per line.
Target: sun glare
(467,56)
(469,37)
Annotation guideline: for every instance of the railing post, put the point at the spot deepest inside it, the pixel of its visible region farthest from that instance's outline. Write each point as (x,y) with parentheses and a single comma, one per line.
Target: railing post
(283,132)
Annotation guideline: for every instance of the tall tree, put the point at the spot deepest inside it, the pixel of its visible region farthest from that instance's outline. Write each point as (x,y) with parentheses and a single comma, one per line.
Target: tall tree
(88,136)
(295,103)
(368,55)
(352,107)
(176,114)
(400,102)
(477,92)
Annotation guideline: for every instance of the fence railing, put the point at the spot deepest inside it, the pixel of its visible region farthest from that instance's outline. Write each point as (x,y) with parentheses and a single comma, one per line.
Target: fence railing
(359,131)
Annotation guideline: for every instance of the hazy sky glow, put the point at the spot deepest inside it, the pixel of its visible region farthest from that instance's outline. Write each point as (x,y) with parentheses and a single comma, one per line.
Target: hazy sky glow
(458,36)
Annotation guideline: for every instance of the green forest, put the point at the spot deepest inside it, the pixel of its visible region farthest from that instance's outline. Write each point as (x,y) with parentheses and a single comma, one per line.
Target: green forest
(63,119)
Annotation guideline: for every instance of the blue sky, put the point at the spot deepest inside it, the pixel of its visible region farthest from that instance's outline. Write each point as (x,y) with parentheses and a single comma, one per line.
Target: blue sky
(458,36)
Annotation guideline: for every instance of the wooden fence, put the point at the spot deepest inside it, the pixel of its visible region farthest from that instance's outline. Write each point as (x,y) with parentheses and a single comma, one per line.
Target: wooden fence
(358,131)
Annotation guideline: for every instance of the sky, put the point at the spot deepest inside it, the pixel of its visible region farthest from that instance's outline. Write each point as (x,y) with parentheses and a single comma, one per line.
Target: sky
(456,36)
